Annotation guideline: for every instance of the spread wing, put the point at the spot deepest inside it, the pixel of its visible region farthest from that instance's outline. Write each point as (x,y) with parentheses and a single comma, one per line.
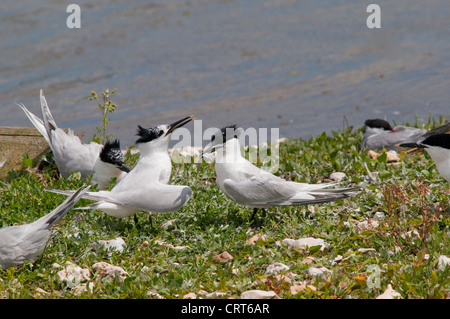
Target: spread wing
(158,198)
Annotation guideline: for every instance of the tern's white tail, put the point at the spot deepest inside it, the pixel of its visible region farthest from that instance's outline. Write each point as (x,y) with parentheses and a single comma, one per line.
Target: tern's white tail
(46,125)
(59,212)
(49,121)
(37,122)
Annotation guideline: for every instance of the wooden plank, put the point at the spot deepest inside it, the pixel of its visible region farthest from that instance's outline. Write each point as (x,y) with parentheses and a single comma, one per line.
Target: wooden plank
(15,142)
(19,131)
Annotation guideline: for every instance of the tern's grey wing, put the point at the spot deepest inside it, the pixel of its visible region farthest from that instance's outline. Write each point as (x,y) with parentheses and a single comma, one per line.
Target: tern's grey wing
(309,198)
(28,241)
(389,139)
(37,122)
(409,132)
(71,155)
(97,196)
(406,134)
(379,141)
(443,129)
(15,247)
(257,191)
(52,218)
(246,170)
(158,198)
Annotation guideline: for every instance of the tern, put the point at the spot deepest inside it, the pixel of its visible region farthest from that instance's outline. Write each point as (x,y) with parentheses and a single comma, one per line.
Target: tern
(438,147)
(145,187)
(248,185)
(71,155)
(110,163)
(28,241)
(379,134)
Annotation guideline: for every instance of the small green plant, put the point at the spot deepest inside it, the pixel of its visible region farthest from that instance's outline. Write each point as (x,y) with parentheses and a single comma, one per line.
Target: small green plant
(394,232)
(106,106)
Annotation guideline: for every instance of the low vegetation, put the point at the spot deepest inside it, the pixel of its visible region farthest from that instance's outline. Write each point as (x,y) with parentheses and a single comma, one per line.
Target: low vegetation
(398,225)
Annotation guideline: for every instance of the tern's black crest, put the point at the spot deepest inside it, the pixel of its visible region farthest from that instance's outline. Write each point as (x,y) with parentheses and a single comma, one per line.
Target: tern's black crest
(442,140)
(228,132)
(111,153)
(147,135)
(379,123)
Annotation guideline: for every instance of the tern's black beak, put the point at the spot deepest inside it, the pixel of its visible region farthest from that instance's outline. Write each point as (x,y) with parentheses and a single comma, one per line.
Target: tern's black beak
(179,123)
(123,168)
(411,145)
(207,154)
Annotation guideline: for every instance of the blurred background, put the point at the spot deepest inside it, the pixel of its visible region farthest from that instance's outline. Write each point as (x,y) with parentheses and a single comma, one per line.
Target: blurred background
(301,66)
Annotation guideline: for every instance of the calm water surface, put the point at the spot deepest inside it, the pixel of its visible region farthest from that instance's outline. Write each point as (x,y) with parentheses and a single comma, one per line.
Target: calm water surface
(303,66)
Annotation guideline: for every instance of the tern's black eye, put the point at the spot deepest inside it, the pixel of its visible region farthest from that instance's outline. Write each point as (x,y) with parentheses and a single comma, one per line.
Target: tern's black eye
(111,153)
(147,135)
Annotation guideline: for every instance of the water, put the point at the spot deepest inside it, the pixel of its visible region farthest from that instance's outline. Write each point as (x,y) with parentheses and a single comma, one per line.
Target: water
(303,66)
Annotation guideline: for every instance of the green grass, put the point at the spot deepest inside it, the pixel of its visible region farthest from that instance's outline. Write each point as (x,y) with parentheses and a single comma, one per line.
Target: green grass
(410,193)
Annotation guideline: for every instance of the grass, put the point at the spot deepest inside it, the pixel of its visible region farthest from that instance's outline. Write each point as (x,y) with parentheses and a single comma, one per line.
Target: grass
(410,193)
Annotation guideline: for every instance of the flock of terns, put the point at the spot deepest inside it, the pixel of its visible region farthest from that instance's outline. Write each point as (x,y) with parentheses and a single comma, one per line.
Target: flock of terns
(146,187)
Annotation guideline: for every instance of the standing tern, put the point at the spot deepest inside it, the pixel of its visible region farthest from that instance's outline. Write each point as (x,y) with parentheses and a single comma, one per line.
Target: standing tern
(251,186)
(71,155)
(28,241)
(379,134)
(145,187)
(438,147)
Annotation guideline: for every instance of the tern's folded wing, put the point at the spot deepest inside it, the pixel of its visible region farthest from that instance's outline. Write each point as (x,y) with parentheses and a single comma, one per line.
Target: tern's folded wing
(257,190)
(260,192)
(71,155)
(248,171)
(161,198)
(388,139)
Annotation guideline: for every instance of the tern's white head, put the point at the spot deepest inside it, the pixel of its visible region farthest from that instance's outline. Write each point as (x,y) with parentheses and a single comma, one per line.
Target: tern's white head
(157,138)
(223,142)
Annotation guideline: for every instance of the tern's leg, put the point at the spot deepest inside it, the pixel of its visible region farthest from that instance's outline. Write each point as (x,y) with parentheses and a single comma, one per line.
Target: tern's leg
(150,219)
(255,210)
(254,213)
